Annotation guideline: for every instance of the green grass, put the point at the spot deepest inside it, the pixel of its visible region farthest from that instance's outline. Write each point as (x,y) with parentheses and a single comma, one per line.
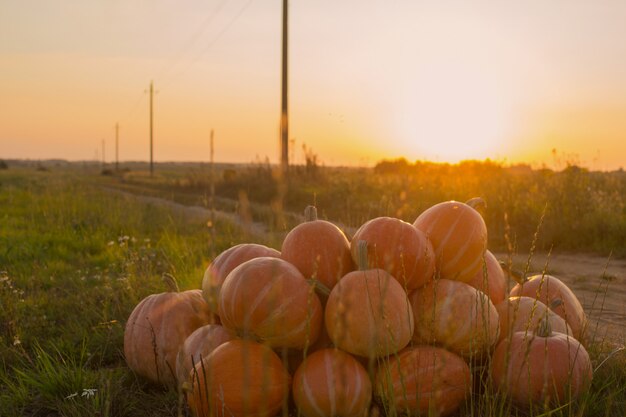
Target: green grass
(75,259)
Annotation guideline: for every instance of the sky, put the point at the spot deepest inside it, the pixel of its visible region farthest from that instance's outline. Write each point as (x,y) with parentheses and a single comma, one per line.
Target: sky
(517,82)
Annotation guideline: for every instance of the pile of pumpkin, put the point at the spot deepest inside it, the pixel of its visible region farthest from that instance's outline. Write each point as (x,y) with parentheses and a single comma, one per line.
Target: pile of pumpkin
(389,321)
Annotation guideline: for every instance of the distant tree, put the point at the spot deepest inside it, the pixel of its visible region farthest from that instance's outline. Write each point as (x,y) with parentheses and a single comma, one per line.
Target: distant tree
(3,164)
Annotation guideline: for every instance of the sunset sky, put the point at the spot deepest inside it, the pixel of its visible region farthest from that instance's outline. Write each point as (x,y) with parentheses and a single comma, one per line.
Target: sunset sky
(369,79)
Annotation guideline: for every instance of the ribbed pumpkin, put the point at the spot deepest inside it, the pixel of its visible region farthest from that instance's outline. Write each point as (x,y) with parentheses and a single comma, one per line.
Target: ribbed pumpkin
(368,313)
(158,327)
(331,383)
(524,314)
(319,249)
(459,237)
(269,299)
(541,368)
(239,378)
(197,346)
(490,279)
(559,297)
(224,263)
(423,380)
(398,248)
(455,315)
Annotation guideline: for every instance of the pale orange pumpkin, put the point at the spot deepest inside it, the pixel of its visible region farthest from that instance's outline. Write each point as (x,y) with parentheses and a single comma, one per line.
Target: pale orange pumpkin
(368,312)
(459,237)
(239,378)
(197,346)
(270,300)
(224,263)
(541,368)
(331,383)
(490,279)
(524,314)
(319,249)
(455,315)
(558,297)
(423,380)
(158,327)
(398,248)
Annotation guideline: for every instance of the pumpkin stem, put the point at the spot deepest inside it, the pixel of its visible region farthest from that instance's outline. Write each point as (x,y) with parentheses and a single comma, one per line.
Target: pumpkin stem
(170,281)
(477,203)
(310,213)
(319,286)
(544,329)
(361,255)
(516,274)
(557,302)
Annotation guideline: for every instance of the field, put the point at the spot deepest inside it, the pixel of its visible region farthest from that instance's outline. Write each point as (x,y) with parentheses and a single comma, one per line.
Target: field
(78,250)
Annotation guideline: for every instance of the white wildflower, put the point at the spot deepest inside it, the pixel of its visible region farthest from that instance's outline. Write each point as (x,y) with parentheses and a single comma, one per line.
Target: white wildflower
(71,396)
(89,392)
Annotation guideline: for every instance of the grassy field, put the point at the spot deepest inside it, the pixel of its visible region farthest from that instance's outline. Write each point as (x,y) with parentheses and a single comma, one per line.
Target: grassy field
(75,258)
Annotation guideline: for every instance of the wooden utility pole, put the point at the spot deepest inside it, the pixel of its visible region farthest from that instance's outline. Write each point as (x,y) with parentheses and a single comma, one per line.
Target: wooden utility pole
(284,116)
(212,192)
(151,137)
(117,144)
(103,159)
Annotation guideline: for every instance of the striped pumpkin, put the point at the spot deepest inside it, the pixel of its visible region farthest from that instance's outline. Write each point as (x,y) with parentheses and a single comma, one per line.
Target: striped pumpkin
(331,383)
(490,279)
(459,237)
(524,314)
(158,327)
(455,315)
(558,297)
(319,250)
(368,313)
(224,263)
(398,248)
(239,378)
(423,380)
(269,299)
(197,346)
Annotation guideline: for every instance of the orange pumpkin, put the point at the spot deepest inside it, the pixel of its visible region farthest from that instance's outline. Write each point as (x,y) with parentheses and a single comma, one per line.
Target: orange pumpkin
(331,383)
(398,248)
(559,297)
(319,249)
(158,327)
(524,314)
(423,380)
(455,315)
(239,378)
(459,237)
(269,299)
(197,346)
(224,263)
(490,279)
(368,312)
(541,368)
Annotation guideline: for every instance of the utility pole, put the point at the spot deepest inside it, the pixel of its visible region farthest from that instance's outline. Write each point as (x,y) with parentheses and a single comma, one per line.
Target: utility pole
(151,137)
(212,193)
(284,116)
(103,158)
(117,144)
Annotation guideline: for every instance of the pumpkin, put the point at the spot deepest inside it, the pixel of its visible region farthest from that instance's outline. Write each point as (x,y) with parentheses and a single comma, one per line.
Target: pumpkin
(541,368)
(224,263)
(331,383)
(368,312)
(269,299)
(455,315)
(459,237)
(319,249)
(158,327)
(398,248)
(239,378)
(524,314)
(559,297)
(423,380)
(197,346)
(490,279)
